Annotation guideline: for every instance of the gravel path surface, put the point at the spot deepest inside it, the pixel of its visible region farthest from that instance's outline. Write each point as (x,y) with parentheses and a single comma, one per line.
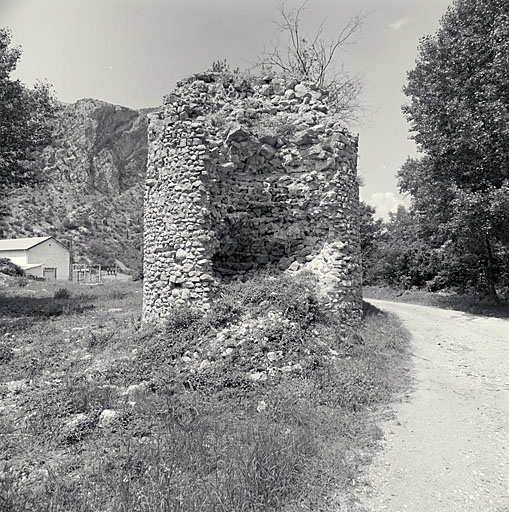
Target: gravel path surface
(447,447)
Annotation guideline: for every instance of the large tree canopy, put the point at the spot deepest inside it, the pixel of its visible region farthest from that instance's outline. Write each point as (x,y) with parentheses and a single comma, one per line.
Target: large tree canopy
(459,95)
(371,234)
(24,116)
(459,116)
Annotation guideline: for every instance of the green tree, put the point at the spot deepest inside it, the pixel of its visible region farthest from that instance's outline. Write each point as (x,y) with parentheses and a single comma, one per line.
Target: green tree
(459,115)
(24,120)
(372,234)
(402,257)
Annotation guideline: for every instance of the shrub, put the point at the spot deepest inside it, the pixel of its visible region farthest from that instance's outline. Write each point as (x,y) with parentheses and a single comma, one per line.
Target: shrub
(98,340)
(6,353)
(137,274)
(62,293)
(9,268)
(22,281)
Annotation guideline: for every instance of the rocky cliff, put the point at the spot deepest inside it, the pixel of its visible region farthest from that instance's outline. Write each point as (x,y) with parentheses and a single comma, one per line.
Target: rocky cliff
(91,189)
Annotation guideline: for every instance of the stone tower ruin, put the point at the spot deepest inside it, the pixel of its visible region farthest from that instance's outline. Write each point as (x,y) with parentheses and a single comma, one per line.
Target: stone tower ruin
(246,174)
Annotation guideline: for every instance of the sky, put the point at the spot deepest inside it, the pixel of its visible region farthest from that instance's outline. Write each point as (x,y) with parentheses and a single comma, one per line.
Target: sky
(132,52)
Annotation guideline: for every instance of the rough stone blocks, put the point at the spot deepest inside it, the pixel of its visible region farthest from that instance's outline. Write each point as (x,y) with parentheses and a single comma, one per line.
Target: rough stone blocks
(245,174)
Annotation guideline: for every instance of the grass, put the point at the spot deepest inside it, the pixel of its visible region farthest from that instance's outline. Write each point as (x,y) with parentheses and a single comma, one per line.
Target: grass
(264,404)
(473,304)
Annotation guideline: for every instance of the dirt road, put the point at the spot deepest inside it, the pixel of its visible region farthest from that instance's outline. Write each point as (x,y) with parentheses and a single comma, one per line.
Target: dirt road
(447,447)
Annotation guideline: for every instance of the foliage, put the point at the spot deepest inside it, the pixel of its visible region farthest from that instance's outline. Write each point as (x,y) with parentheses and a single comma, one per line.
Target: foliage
(24,116)
(101,253)
(400,258)
(312,58)
(372,233)
(295,296)
(6,353)
(271,314)
(223,66)
(39,307)
(414,252)
(22,281)
(9,268)
(459,113)
(137,274)
(459,104)
(62,293)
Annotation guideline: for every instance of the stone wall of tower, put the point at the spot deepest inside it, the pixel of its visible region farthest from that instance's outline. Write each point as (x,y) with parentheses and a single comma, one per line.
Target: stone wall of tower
(247,174)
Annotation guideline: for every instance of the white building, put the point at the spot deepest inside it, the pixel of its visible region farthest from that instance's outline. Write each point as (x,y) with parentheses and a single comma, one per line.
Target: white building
(40,256)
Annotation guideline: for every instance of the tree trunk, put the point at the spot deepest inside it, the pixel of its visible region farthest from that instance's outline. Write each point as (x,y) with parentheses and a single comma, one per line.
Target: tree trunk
(490,272)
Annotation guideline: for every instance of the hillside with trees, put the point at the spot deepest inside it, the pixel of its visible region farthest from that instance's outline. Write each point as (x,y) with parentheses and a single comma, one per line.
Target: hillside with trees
(71,171)
(89,192)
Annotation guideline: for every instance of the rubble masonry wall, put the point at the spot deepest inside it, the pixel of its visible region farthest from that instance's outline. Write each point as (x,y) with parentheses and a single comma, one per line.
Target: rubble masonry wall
(245,174)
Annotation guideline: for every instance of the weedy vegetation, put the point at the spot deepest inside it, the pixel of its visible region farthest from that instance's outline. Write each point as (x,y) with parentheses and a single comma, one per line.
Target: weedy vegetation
(62,293)
(264,404)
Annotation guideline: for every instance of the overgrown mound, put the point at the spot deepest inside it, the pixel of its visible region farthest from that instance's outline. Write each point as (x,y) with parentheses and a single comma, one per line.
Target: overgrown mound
(256,332)
(261,405)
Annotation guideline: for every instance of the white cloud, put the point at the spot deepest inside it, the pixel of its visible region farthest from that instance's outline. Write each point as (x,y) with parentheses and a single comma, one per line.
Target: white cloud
(399,23)
(385,202)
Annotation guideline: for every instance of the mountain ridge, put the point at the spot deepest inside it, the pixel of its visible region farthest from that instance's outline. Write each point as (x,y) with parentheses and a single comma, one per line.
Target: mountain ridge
(90,192)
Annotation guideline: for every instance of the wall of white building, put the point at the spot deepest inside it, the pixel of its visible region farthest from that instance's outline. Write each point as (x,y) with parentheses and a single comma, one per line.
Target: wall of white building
(18,257)
(35,271)
(52,255)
